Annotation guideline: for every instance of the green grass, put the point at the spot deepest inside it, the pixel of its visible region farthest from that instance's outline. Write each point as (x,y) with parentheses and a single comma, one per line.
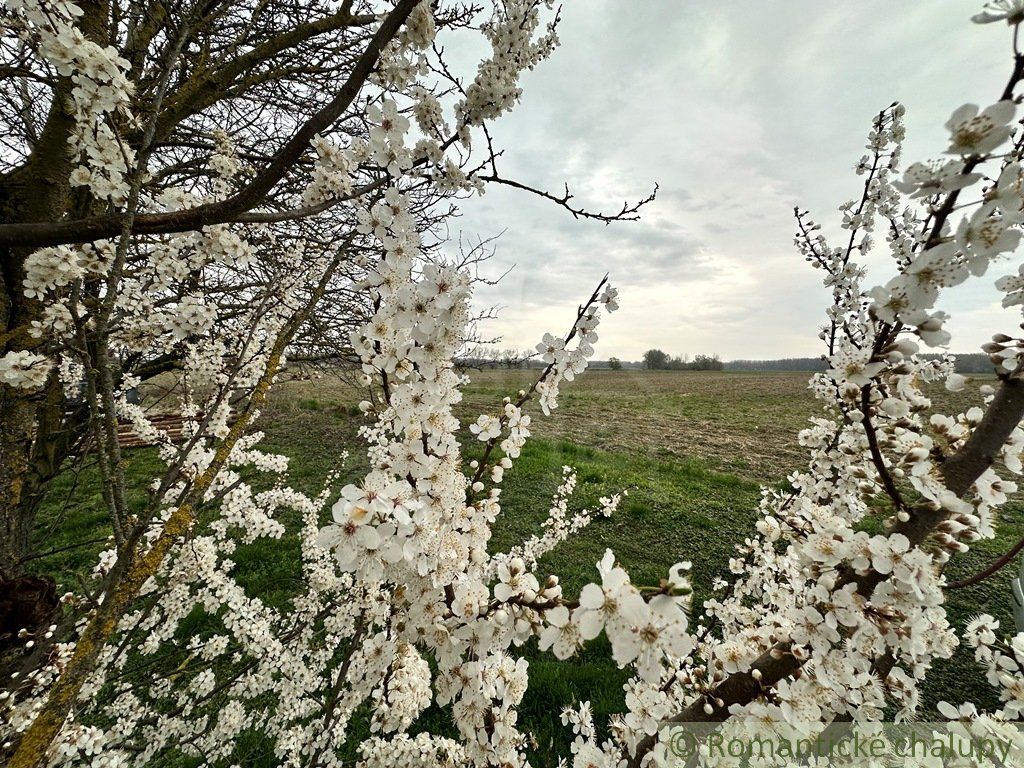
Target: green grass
(670,510)
(687,499)
(670,507)
(74,513)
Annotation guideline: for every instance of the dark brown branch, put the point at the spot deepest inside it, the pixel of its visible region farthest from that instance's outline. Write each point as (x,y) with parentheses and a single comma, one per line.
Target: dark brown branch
(949,204)
(290,214)
(98,227)
(523,398)
(959,472)
(628,212)
(998,565)
(876,453)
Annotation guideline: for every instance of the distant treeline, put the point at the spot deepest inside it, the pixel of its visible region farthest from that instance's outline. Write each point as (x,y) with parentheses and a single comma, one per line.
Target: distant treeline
(968,363)
(785,364)
(657,360)
(976,362)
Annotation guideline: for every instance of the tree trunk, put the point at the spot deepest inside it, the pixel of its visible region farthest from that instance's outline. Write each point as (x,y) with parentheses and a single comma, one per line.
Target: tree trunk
(17,417)
(39,190)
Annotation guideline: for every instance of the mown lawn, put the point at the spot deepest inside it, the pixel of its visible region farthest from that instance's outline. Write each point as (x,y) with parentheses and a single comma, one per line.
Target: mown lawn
(690,449)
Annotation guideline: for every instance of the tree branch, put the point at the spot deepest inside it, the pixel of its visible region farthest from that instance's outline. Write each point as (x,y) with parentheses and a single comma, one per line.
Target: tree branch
(959,473)
(98,227)
(999,564)
(628,212)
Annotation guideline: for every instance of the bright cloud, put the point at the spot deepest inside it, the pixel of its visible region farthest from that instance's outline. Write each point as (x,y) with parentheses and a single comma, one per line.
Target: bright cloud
(739,111)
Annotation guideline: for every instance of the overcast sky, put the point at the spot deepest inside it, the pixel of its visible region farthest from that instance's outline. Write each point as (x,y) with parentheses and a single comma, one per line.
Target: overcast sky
(739,110)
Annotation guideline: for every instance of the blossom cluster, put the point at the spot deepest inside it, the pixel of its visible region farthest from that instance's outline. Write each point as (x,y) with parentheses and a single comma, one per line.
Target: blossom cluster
(100,98)
(1004,663)
(24,370)
(511,34)
(839,596)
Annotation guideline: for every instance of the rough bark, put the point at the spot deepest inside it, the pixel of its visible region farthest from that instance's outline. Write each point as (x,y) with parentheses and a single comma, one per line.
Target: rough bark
(38,191)
(34,435)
